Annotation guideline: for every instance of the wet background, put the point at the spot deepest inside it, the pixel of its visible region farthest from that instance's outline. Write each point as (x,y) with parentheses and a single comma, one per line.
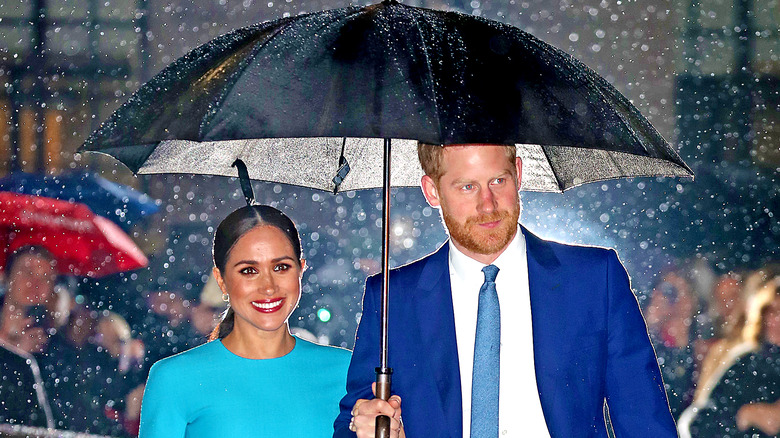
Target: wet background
(705,73)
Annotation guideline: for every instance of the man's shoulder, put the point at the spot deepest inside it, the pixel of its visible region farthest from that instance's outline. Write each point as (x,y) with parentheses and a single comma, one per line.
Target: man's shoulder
(438,256)
(565,250)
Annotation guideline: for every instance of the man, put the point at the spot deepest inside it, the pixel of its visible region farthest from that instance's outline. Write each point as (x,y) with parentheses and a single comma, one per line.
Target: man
(571,333)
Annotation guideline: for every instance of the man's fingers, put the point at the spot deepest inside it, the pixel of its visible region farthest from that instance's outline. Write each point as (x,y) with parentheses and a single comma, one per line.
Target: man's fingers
(372,408)
(365,426)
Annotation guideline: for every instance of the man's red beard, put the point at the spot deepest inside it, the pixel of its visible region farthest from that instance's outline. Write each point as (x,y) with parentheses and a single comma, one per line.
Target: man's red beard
(481,240)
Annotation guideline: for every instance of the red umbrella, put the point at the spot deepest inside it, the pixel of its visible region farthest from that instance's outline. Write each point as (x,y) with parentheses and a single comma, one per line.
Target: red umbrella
(83,243)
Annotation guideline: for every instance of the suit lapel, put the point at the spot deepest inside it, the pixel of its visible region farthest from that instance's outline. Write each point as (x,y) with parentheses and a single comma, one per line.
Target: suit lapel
(544,278)
(437,334)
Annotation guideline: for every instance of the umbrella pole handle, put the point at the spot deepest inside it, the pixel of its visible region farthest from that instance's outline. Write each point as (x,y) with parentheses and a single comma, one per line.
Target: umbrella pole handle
(383,372)
(383,384)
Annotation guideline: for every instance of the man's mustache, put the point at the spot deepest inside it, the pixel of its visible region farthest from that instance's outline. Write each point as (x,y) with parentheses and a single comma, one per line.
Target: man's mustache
(488,217)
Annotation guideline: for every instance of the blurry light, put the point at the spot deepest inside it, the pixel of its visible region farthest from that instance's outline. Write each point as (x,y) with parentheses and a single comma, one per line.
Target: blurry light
(323,314)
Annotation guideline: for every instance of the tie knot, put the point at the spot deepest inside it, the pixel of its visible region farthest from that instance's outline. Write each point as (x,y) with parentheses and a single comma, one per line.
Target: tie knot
(490,272)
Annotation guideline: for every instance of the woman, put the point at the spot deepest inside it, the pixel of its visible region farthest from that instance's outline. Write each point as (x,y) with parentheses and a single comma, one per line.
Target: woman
(745,402)
(253,379)
(670,322)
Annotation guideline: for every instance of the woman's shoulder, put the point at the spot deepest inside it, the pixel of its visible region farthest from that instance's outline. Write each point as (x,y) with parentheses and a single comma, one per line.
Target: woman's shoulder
(191,359)
(323,352)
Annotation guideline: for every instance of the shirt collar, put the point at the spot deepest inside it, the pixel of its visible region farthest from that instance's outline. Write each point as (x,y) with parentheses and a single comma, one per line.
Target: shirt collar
(461,263)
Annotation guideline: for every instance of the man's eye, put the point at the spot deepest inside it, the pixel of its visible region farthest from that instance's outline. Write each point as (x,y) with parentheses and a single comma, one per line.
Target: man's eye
(468,187)
(499,180)
(281,267)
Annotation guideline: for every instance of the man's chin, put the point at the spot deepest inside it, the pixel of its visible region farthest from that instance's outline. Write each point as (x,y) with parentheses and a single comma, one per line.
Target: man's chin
(486,242)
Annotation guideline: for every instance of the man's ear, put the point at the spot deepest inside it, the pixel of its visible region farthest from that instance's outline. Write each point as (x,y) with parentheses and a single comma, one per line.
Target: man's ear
(430,191)
(519,167)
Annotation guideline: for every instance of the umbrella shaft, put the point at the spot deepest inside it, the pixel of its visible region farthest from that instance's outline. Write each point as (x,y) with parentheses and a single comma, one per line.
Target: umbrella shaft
(385,254)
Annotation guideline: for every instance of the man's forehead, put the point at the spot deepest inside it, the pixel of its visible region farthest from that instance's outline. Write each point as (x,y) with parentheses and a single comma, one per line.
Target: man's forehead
(455,152)
(30,260)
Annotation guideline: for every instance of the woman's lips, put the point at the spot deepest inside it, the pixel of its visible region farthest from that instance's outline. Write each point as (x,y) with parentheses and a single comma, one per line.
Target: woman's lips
(268,306)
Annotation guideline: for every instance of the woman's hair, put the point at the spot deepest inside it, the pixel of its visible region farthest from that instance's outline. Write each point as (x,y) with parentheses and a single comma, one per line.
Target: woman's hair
(231,229)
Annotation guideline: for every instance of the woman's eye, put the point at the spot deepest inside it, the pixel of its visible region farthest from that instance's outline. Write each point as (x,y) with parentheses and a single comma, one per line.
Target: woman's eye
(248,270)
(281,267)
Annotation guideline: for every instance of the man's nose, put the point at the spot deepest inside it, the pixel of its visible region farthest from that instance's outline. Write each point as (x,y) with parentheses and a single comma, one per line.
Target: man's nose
(487,201)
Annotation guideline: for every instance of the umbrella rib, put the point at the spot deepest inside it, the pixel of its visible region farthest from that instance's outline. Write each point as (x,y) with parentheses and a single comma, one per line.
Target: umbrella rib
(430,75)
(552,168)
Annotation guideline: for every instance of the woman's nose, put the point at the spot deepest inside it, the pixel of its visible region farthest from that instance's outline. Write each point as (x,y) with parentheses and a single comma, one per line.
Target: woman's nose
(267,284)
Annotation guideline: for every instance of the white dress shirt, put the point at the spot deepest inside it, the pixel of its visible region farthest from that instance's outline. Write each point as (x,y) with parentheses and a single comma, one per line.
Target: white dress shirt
(520,411)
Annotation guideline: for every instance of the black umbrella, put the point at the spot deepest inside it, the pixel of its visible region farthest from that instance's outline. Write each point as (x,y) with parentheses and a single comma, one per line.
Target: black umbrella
(307,100)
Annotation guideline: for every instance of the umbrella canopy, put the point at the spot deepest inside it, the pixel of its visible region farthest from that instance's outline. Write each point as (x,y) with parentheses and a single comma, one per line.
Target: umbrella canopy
(276,94)
(81,242)
(122,204)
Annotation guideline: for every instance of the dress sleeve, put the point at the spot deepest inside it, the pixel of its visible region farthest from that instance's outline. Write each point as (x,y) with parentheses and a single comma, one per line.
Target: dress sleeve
(162,412)
(635,391)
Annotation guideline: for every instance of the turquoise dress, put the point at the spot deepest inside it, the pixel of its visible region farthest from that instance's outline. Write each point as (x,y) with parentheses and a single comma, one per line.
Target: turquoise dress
(210,392)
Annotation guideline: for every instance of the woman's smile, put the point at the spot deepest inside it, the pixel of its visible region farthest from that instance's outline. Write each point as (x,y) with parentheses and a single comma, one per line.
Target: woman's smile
(269,305)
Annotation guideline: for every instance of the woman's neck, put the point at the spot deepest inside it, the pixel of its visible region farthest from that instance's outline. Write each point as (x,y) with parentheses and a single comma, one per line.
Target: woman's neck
(252,343)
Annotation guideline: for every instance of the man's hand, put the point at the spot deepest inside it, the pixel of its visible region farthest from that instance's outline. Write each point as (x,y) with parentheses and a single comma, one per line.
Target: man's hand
(20,332)
(364,415)
(763,416)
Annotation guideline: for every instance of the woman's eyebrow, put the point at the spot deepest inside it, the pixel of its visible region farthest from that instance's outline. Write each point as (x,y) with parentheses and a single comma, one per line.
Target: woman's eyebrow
(245,262)
(255,262)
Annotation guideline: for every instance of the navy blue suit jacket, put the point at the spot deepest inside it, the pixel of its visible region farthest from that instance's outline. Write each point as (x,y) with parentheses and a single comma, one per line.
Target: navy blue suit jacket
(590,345)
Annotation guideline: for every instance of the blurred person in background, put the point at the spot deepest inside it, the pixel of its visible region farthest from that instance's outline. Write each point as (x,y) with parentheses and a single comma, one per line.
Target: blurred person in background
(25,316)
(742,368)
(44,324)
(166,328)
(253,379)
(727,304)
(24,400)
(30,275)
(82,378)
(113,335)
(670,317)
(207,313)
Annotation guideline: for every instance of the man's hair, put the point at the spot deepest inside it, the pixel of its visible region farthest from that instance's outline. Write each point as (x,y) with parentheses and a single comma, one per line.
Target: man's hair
(431,158)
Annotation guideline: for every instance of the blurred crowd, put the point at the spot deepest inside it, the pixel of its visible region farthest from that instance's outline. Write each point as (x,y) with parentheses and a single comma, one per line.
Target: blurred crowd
(717,338)
(72,367)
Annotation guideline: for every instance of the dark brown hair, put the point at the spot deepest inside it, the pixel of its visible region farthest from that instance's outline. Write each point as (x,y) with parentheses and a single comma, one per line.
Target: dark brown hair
(233,228)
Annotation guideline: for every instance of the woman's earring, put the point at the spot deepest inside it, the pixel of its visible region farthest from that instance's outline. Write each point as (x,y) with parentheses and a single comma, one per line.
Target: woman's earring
(225,297)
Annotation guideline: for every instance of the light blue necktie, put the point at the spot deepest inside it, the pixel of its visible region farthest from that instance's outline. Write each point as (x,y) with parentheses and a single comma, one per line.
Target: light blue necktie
(487,349)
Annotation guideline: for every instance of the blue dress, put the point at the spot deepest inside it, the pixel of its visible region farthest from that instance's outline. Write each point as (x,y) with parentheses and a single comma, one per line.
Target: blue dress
(210,392)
